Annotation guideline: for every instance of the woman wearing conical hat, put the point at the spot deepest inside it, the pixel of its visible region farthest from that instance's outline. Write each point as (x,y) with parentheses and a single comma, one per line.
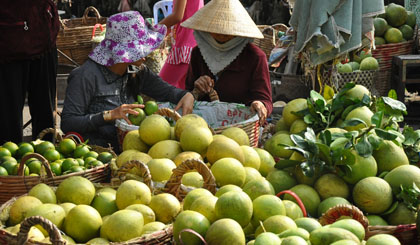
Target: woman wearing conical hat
(225,58)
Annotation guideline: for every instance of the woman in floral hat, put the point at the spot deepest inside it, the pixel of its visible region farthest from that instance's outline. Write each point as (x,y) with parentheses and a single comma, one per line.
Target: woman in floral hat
(105,86)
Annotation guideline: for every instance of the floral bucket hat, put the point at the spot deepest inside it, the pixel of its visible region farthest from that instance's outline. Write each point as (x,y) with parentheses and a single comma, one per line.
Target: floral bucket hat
(128,38)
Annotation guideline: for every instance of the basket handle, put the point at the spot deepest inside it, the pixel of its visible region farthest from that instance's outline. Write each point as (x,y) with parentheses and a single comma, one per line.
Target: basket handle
(94,10)
(173,185)
(53,231)
(40,158)
(145,173)
(168,113)
(94,29)
(56,134)
(192,232)
(214,96)
(76,137)
(299,201)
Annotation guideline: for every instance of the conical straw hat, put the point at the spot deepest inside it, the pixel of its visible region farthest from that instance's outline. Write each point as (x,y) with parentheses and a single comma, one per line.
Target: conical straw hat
(227,17)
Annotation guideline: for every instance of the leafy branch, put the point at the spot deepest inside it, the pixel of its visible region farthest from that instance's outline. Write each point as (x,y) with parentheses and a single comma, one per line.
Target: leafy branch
(410,197)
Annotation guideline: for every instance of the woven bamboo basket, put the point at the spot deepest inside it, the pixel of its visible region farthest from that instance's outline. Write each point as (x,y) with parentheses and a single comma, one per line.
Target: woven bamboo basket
(75,35)
(270,37)
(384,53)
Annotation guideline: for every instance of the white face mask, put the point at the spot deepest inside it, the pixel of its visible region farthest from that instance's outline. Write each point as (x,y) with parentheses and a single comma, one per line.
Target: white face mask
(219,55)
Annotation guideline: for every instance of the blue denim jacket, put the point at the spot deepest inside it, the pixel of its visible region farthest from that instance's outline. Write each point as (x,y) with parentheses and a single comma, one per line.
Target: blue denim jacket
(93,88)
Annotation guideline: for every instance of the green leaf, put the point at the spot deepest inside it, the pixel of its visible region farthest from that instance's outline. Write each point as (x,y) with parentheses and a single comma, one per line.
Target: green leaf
(324,152)
(363,147)
(411,136)
(344,157)
(410,196)
(394,104)
(307,169)
(315,96)
(310,135)
(325,137)
(308,119)
(285,163)
(387,135)
(391,209)
(347,111)
(346,88)
(366,100)
(393,94)
(375,141)
(353,122)
(299,141)
(377,118)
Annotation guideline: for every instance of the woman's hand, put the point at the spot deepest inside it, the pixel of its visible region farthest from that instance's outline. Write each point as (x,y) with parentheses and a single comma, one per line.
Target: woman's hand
(204,84)
(186,103)
(121,111)
(258,107)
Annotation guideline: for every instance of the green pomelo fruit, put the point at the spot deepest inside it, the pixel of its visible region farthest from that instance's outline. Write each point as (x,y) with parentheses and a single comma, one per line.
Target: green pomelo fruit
(237,134)
(298,126)
(132,192)
(165,206)
(44,193)
(224,189)
(401,216)
(104,203)
(393,35)
(309,224)
(183,156)
(98,240)
(193,179)
(266,206)
(129,155)
(122,226)
(258,188)
(354,65)
(267,238)
(132,141)
(376,220)
(357,92)
(362,55)
(295,105)
(107,189)
(276,224)
(297,156)
(75,189)
(309,197)
(21,207)
(329,235)
(188,121)
(194,195)
(383,239)
(329,203)
(225,232)
(165,149)
(280,180)
(196,139)
(152,227)
(389,156)
(363,113)
(379,41)
(404,176)
(380,26)
(293,210)
(161,168)
(293,240)
(267,161)
(344,68)
(154,128)
(372,195)
(281,125)
(369,64)
(53,212)
(251,157)
(236,206)
(12,147)
(396,15)
(300,232)
(351,225)
(330,185)
(82,223)
(223,168)
(345,242)
(362,168)
(411,19)
(275,145)
(224,147)
(251,174)
(205,205)
(67,206)
(148,214)
(407,32)
(137,119)
(190,220)
(306,180)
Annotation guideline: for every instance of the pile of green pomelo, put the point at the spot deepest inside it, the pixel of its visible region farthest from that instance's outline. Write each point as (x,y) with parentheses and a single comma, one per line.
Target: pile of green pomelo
(396,25)
(245,208)
(363,61)
(66,157)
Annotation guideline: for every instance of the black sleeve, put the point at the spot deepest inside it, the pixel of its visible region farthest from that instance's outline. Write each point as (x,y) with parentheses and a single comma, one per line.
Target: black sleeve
(152,85)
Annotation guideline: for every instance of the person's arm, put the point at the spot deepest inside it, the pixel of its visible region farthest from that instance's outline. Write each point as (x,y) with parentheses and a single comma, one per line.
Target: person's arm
(177,14)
